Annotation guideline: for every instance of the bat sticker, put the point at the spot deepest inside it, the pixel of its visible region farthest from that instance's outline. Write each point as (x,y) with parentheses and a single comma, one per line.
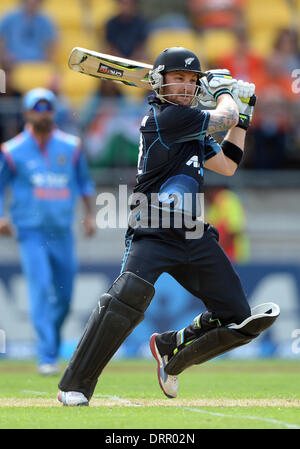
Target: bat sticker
(103,68)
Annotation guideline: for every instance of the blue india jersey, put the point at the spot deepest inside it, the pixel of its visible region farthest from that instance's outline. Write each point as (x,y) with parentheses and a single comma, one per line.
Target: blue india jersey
(45,182)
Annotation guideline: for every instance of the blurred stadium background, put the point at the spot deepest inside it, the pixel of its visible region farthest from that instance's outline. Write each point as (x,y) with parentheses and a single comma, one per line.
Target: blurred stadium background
(258,40)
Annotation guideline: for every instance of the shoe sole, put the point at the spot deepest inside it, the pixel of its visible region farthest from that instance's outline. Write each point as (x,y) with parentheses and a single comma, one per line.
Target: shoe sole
(82,404)
(158,359)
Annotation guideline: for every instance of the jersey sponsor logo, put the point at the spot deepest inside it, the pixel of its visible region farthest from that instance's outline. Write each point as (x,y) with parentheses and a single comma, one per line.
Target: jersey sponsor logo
(50,186)
(51,194)
(49,179)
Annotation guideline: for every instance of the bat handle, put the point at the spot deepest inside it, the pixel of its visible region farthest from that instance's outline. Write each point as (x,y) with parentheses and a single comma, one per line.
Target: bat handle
(252,100)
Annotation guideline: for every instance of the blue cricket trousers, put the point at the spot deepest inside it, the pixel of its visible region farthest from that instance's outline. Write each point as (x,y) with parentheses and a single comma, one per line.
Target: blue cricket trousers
(49,265)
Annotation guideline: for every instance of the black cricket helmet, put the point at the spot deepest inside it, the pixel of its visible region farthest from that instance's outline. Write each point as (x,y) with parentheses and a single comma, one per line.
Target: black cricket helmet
(170,60)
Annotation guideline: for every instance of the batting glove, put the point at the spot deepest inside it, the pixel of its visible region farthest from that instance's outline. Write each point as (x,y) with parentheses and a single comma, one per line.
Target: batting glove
(206,98)
(217,82)
(243,94)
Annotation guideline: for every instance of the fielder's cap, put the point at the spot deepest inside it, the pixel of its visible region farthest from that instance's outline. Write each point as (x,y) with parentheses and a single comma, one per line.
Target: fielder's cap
(32,97)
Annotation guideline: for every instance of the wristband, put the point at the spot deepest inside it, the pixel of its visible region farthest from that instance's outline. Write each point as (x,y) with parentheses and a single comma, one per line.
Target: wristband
(244,121)
(222,91)
(232,151)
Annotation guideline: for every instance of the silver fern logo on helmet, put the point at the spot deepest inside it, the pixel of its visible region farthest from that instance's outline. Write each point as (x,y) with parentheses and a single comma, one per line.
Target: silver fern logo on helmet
(188,61)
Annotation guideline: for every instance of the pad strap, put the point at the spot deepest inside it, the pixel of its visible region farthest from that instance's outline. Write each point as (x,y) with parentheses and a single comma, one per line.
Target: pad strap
(212,344)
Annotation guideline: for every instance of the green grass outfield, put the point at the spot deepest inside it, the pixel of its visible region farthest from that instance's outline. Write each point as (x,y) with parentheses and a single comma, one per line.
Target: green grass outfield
(220,394)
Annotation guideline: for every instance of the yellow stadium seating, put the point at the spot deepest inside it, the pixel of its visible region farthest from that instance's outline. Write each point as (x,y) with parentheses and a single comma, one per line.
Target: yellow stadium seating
(133,94)
(217,43)
(262,41)
(27,76)
(70,39)
(268,14)
(73,14)
(7,5)
(102,11)
(66,14)
(161,39)
(77,86)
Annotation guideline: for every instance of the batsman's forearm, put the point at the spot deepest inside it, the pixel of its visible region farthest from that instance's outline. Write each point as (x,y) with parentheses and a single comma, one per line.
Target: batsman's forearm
(233,148)
(225,116)
(236,136)
(228,107)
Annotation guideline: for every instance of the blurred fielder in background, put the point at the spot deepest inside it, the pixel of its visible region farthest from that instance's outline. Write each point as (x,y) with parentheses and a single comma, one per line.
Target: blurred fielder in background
(46,170)
(175,145)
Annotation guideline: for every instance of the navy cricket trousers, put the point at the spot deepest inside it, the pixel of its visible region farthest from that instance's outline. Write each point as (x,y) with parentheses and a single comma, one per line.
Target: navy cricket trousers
(199,265)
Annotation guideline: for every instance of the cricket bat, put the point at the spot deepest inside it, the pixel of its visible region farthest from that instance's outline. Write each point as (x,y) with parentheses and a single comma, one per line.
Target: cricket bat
(100,65)
(121,70)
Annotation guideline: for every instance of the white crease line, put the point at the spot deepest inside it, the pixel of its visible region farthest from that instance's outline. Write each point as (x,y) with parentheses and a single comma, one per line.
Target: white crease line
(117,399)
(37,393)
(253,418)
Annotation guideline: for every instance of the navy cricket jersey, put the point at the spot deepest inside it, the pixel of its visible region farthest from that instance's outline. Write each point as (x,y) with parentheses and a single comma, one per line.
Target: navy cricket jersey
(173,149)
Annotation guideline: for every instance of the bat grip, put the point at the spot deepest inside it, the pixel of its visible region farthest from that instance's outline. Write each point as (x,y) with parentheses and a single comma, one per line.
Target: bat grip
(252,100)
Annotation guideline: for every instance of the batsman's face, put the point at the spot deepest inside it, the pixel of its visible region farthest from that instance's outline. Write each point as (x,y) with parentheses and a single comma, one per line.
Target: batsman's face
(179,87)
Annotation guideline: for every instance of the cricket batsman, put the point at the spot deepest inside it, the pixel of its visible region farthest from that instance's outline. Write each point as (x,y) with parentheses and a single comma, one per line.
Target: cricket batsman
(175,147)
(47,171)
